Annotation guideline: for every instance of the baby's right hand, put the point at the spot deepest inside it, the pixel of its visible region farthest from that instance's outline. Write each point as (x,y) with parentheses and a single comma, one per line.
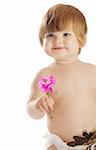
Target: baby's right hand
(45,103)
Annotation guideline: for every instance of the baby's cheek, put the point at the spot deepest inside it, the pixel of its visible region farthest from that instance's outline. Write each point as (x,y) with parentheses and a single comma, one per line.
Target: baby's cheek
(47,51)
(45,47)
(44,42)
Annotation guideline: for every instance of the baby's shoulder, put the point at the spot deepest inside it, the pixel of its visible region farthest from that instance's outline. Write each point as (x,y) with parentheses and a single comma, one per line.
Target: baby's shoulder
(91,70)
(46,71)
(89,66)
(92,67)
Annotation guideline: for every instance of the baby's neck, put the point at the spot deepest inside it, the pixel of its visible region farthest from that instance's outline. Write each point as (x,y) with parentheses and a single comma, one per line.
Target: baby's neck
(68,60)
(62,62)
(65,62)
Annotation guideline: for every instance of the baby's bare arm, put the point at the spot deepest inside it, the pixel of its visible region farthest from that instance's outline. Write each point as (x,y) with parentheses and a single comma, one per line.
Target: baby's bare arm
(37,108)
(38,103)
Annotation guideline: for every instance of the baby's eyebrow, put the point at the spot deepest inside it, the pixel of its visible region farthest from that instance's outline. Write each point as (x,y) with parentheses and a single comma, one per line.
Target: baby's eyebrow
(49,33)
(67,32)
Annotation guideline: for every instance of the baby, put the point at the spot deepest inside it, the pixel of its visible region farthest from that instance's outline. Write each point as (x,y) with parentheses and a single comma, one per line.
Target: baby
(71,107)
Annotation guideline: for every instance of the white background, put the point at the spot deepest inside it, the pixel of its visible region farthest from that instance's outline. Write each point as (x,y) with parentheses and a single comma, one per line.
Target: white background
(21,56)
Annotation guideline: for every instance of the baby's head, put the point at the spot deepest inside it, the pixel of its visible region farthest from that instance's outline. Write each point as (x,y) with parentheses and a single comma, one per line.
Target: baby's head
(61,17)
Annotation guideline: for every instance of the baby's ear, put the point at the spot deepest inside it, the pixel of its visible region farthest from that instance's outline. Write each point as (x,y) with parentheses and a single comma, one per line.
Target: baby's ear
(82,41)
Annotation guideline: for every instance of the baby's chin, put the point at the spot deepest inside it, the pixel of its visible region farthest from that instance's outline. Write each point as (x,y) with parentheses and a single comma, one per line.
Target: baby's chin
(60,56)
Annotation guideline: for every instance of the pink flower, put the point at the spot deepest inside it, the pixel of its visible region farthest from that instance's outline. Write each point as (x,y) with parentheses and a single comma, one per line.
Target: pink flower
(46,83)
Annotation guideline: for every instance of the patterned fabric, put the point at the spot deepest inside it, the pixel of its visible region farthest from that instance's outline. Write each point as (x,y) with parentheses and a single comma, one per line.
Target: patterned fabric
(86,139)
(86,142)
(91,147)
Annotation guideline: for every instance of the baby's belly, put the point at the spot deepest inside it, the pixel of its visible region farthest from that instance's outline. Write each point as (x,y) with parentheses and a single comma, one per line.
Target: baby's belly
(69,120)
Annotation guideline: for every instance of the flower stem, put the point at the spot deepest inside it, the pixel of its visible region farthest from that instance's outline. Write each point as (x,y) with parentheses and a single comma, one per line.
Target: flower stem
(50,111)
(51,114)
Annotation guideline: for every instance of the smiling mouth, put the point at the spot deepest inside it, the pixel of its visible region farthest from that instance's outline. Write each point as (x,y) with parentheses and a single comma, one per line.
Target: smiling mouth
(59,48)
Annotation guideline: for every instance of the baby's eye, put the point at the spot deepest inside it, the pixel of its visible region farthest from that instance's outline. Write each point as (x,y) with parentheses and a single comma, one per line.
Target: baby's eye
(49,35)
(66,34)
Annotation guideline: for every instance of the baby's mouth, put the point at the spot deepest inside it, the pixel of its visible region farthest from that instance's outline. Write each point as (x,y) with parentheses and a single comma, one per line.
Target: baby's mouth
(59,48)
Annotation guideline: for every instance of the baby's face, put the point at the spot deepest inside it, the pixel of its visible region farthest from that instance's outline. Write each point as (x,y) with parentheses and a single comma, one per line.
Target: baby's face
(61,45)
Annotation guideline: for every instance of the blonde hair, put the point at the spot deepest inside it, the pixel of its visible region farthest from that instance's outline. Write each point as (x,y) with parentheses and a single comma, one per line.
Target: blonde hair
(61,16)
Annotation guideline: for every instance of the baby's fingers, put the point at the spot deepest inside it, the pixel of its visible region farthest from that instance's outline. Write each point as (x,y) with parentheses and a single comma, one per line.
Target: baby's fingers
(50,102)
(45,105)
(42,106)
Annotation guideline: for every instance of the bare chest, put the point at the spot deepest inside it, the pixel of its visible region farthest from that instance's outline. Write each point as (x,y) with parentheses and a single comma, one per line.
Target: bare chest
(72,93)
(74,98)
(73,86)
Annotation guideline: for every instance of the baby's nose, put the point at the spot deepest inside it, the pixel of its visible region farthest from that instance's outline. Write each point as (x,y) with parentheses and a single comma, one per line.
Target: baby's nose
(59,40)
